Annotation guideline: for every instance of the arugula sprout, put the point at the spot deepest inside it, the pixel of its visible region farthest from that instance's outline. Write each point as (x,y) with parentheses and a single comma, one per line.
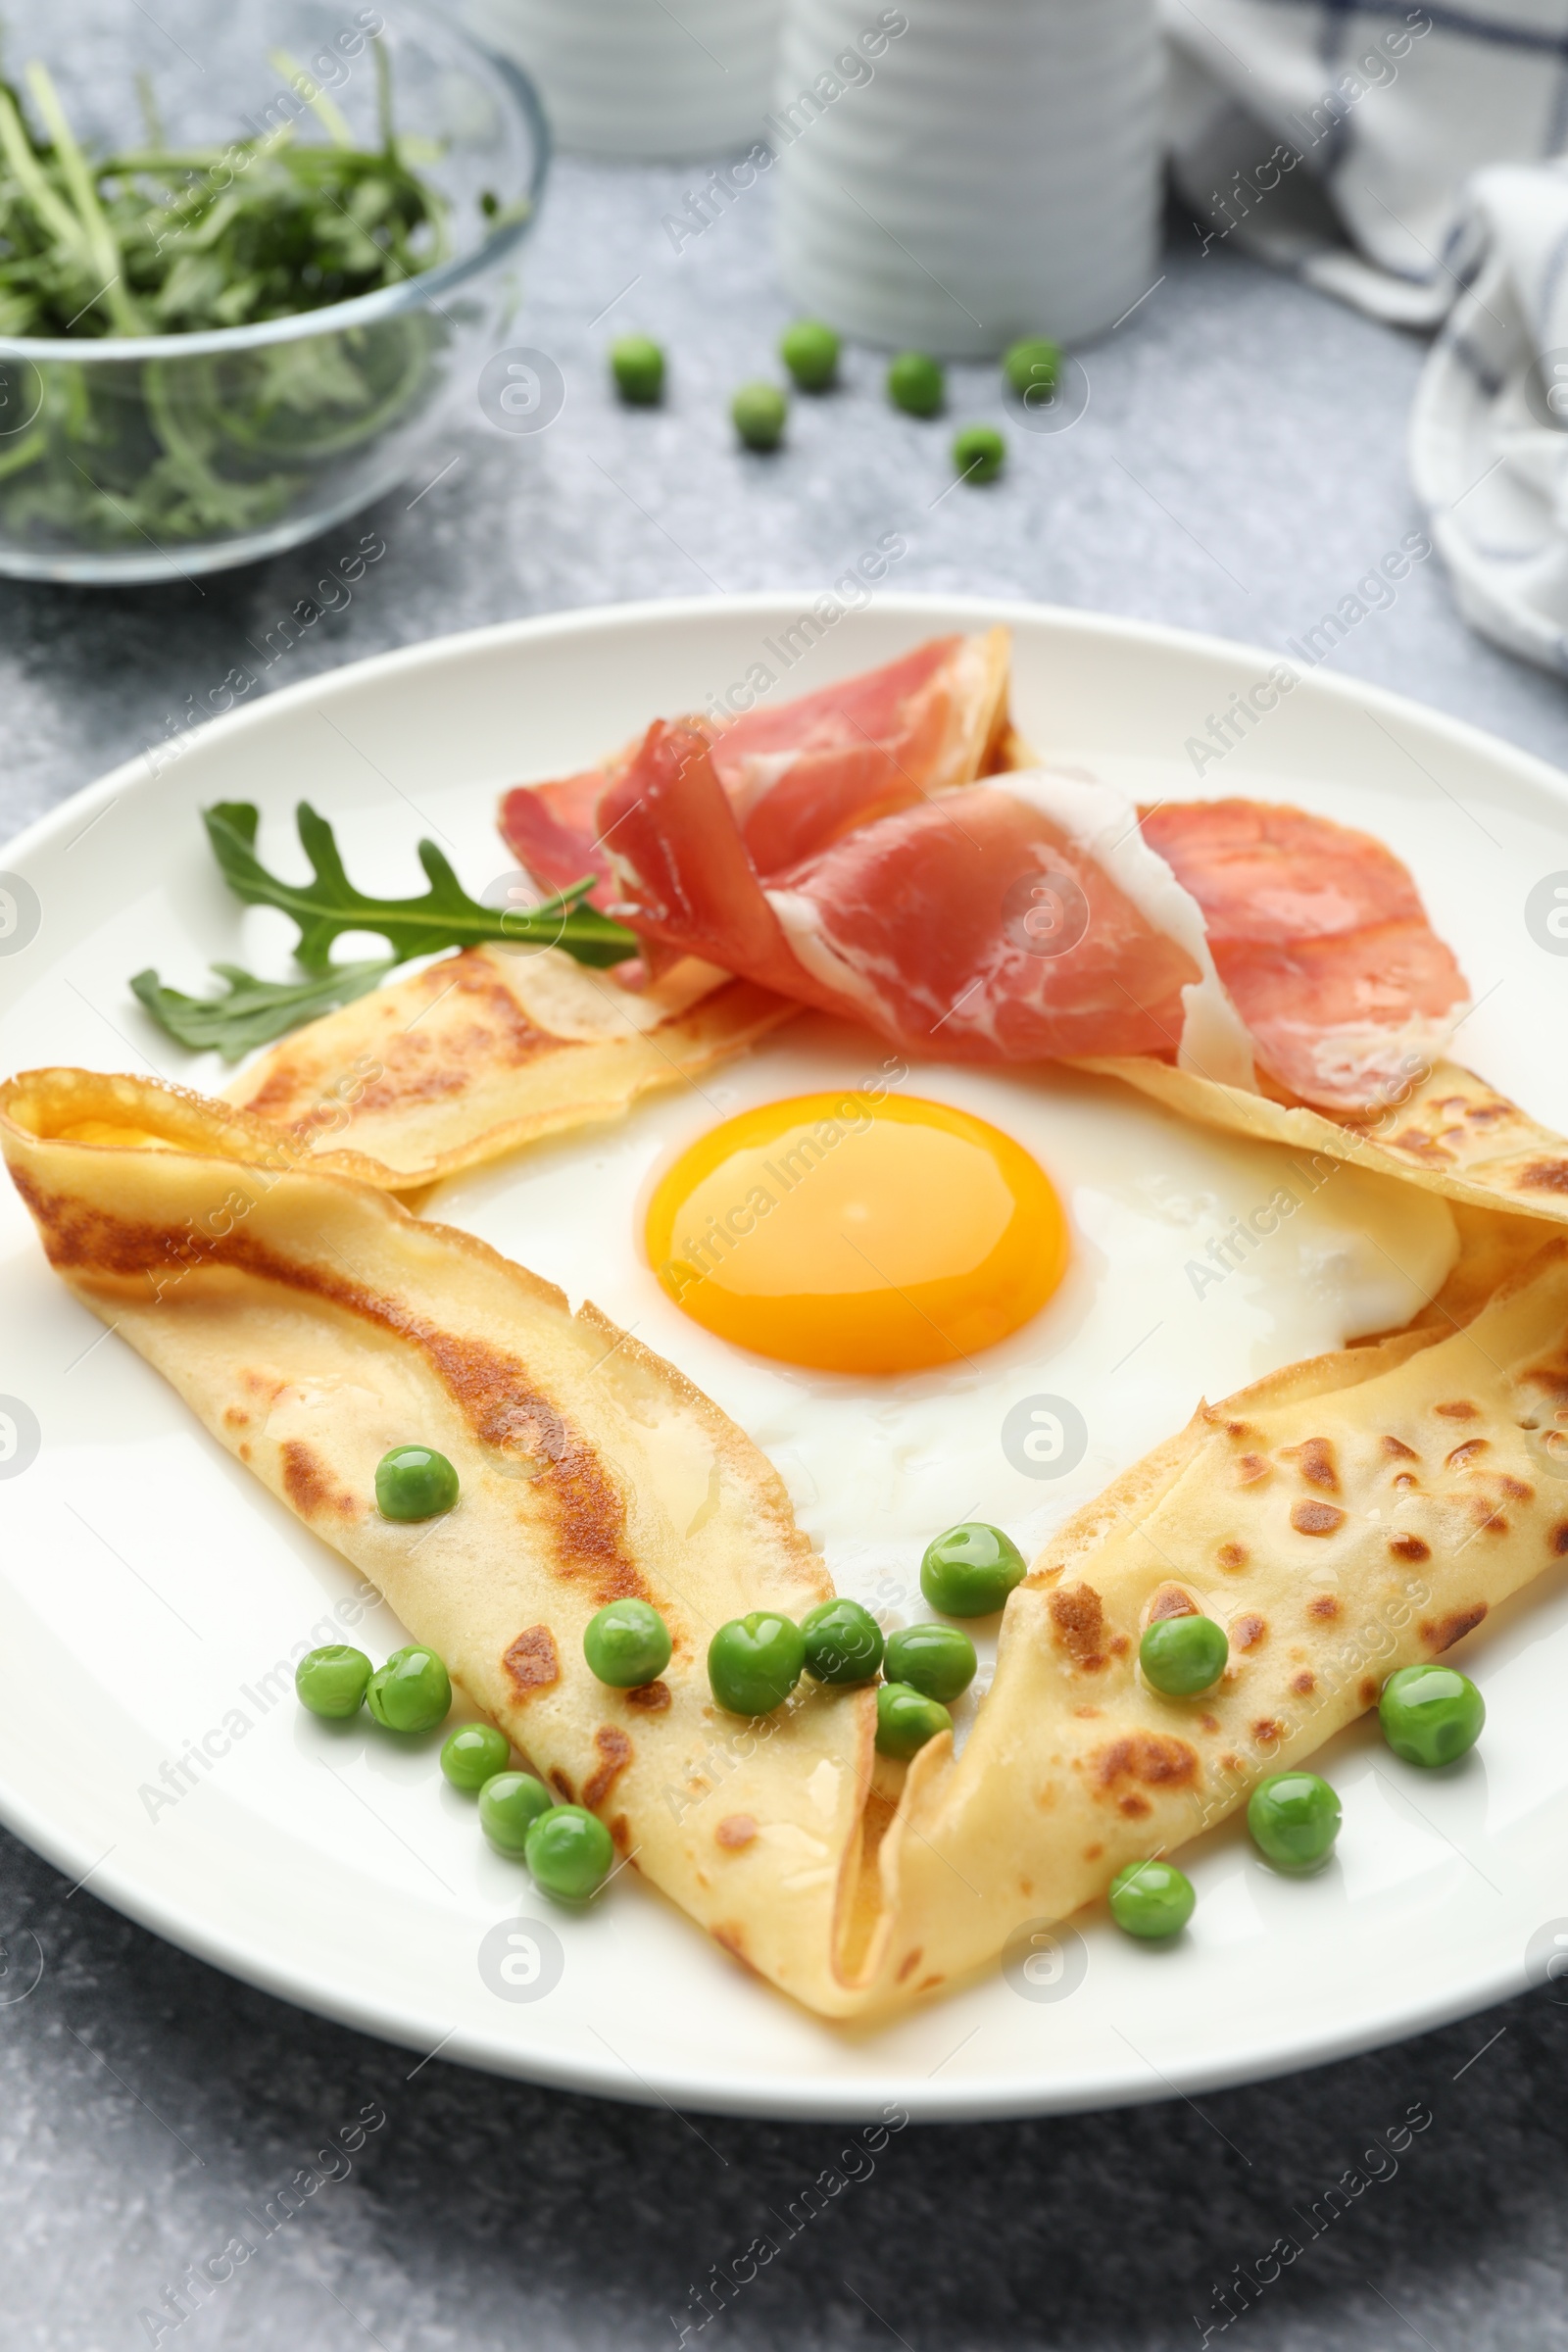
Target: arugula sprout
(170,240)
(251,1013)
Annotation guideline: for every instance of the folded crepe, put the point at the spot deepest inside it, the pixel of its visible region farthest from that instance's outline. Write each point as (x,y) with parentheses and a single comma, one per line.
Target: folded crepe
(311,1323)
(1444,1129)
(480,1053)
(1340,1518)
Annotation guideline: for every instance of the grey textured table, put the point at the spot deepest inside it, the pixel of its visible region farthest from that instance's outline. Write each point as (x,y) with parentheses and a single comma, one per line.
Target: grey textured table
(1239,467)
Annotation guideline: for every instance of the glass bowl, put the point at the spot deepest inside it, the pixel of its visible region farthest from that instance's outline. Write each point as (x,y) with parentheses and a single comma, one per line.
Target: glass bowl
(155,456)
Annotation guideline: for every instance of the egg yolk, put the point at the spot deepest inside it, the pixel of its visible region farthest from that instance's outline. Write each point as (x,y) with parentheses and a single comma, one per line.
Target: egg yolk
(858,1236)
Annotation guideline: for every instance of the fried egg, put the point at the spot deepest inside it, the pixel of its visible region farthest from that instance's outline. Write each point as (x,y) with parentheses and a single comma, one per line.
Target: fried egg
(858,1233)
(1153,1261)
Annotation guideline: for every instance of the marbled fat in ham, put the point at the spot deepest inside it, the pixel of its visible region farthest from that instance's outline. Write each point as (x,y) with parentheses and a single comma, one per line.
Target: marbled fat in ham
(1322,941)
(907,924)
(858,851)
(800,773)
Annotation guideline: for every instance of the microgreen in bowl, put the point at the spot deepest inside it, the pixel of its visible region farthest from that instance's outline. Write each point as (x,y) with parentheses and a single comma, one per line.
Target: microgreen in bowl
(202,343)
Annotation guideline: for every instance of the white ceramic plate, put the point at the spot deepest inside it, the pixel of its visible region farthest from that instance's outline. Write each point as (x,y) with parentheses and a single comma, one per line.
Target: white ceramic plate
(148,1586)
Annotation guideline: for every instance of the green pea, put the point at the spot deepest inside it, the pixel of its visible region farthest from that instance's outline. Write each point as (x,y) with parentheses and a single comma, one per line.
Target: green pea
(934,1659)
(1152,1899)
(969,1571)
(1431,1714)
(1293,1818)
(754,1662)
(979,453)
(411,1692)
(758,412)
(917,384)
(413,1481)
(626,1645)
(569,1854)
(638,366)
(476,1752)
(331,1682)
(842,1642)
(1033,367)
(1183,1655)
(905,1719)
(509,1803)
(811,352)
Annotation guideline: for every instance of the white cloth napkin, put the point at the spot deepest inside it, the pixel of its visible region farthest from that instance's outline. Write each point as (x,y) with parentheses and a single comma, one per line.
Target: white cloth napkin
(1336,139)
(1489,434)
(1399,158)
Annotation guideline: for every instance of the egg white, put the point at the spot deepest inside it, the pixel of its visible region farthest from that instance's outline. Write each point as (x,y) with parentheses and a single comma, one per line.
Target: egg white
(1163,1301)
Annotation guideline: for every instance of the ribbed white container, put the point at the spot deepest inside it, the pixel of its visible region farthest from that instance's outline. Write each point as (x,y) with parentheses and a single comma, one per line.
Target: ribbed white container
(998,176)
(634,80)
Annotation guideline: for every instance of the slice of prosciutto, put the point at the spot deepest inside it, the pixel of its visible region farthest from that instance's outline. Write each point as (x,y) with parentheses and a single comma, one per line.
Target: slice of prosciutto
(1034,916)
(1322,942)
(869,851)
(1022,918)
(799,774)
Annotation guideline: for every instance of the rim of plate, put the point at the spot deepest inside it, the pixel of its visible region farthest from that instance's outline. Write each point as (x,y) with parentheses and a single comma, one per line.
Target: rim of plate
(808,2097)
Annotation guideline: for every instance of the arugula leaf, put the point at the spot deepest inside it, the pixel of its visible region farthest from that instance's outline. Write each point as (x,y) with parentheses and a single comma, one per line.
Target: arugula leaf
(251,1011)
(328,904)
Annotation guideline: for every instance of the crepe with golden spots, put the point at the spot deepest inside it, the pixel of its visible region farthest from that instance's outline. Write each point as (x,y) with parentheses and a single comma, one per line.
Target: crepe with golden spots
(1343,1517)
(481,1052)
(311,1323)
(1450,1132)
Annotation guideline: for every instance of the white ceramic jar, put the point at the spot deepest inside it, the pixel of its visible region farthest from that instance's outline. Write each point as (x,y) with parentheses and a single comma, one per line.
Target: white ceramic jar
(990,170)
(636,80)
